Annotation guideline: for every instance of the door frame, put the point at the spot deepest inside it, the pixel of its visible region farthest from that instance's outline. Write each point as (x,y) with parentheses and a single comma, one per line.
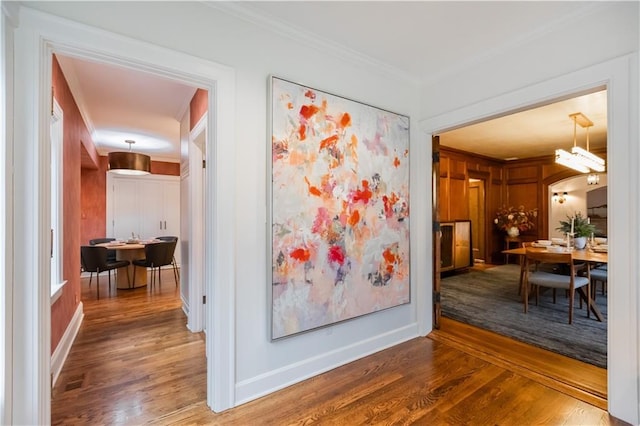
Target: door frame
(197,249)
(37,37)
(484,177)
(622,153)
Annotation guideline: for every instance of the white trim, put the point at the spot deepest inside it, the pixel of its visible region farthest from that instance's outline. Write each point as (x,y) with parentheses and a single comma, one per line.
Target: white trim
(619,76)
(56,291)
(59,356)
(264,384)
(57,200)
(8,23)
(197,252)
(38,36)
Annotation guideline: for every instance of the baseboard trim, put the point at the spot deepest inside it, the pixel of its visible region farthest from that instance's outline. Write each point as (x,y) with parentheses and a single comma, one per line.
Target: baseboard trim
(64,346)
(264,384)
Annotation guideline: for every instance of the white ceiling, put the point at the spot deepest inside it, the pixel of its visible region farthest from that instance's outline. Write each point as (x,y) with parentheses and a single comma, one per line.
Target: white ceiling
(406,37)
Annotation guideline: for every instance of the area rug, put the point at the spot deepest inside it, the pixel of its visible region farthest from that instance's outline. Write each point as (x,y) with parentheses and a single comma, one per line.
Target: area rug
(489,299)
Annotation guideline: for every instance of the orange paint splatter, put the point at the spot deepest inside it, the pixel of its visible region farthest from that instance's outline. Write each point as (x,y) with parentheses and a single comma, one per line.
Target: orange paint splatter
(345,121)
(307,111)
(302,132)
(389,256)
(363,195)
(289,105)
(301,254)
(389,202)
(312,189)
(396,162)
(309,94)
(331,140)
(354,218)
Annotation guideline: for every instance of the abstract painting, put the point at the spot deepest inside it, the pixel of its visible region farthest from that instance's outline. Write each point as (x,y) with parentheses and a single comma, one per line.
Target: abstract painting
(339,209)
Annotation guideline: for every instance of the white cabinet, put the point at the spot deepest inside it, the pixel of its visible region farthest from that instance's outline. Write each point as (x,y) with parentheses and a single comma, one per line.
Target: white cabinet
(147,206)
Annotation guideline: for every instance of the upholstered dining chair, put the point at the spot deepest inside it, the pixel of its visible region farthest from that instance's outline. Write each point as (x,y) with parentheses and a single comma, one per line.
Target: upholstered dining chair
(156,255)
(599,274)
(542,278)
(94,259)
(111,254)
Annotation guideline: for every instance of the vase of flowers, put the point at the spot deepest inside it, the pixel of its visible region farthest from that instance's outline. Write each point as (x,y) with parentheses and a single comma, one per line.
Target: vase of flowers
(514,220)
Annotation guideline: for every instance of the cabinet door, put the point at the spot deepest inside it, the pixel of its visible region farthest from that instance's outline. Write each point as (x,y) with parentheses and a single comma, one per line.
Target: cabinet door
(125,215)
(151,199)
(171,213)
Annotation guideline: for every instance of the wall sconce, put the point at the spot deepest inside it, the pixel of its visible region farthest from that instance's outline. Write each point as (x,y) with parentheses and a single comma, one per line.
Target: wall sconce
(560,198)
(593,179)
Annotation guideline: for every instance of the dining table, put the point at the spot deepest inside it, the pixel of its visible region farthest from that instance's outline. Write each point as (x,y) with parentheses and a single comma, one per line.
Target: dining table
(588,255)
(129,251)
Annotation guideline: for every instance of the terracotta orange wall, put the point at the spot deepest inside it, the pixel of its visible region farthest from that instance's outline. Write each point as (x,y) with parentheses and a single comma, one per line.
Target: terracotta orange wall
(74,132)
(198,107)
(93,204)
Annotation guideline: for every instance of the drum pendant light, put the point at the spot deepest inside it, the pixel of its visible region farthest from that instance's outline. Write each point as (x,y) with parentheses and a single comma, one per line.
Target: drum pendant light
(129,163)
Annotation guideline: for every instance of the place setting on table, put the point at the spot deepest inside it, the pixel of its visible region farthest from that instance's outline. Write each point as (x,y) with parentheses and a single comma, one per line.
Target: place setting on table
(130,249)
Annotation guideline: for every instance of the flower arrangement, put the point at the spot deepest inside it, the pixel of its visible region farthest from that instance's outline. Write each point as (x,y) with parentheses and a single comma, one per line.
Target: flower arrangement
(523,220)
(579,225)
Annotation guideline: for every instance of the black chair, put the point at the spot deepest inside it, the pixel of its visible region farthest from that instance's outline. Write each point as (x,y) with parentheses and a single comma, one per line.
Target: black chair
(94,259)
(111,254)
(156,255)
(176,270)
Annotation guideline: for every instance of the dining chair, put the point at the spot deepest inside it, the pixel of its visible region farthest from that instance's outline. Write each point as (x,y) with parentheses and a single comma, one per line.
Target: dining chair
(111,254)
(94,259)
(543,278)
(156,255)
(599,274)
(176,270)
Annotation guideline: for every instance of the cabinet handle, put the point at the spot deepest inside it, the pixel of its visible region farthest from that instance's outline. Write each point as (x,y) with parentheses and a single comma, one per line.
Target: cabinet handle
(160,224)
(165,224)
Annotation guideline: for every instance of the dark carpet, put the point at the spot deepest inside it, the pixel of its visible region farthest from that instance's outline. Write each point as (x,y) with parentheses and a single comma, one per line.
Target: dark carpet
(489,299)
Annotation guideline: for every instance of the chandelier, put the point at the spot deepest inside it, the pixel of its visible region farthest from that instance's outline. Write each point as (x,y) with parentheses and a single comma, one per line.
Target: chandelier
(580,159)
(129,163)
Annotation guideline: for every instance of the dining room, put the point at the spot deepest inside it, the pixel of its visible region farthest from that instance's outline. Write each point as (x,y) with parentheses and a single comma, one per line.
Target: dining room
(519,180)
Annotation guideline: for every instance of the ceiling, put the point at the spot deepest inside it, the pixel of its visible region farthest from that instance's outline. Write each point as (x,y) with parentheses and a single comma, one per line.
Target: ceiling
(119,104)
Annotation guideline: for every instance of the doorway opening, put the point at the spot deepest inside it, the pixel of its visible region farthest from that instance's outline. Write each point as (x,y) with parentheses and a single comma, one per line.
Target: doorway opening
(505,178)
(477,216)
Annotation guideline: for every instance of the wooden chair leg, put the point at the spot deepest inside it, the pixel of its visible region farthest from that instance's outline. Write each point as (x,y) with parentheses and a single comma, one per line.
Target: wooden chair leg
(571,307)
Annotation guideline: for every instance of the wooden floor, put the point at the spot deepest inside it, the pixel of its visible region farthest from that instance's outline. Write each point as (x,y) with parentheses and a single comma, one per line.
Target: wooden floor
(134,362)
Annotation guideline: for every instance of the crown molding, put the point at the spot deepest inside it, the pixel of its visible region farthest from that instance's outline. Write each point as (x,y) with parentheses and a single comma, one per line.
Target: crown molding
(272,24)
(515,42)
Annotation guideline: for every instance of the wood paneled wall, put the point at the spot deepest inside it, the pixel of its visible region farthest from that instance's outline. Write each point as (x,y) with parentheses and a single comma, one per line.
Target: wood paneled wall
(513,183)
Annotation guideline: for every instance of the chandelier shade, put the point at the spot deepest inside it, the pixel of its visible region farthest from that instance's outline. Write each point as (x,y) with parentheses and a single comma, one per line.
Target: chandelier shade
(129,163)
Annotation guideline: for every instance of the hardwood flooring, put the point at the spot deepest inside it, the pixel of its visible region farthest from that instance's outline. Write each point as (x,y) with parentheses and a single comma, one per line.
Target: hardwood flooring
(134,362)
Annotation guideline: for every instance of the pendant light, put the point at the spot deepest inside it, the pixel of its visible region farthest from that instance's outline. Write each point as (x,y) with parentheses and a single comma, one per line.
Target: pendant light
(580,159)
(129,163)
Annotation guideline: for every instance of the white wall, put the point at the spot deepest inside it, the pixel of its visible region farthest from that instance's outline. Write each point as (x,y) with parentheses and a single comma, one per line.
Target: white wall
(262,366)
(575,201)
(608,31)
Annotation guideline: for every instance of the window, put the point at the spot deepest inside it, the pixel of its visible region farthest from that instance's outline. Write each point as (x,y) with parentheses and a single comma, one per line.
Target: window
(56,131)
